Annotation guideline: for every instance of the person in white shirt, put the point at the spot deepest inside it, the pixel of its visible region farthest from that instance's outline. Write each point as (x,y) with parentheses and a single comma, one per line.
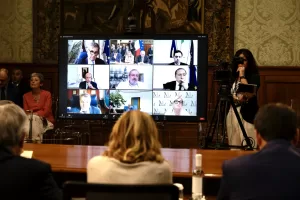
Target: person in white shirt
(133,81)
(177,108)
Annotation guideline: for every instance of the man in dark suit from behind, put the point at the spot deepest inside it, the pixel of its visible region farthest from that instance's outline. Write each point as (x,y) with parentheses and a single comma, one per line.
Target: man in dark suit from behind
(273,172)
(88,83)
(177,57)
(21,178)
(180,82)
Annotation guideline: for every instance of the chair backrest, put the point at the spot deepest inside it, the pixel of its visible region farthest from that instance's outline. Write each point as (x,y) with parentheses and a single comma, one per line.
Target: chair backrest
(92,191)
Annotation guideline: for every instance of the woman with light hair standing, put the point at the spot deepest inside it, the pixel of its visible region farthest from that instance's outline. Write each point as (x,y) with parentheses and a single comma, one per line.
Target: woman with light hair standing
(39,102)
(133,155)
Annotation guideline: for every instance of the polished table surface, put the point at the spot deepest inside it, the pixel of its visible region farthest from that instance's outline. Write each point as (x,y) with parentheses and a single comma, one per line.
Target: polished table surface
(74,158)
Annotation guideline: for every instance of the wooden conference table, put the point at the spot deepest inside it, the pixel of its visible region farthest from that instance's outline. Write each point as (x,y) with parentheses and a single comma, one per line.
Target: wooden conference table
(70,161)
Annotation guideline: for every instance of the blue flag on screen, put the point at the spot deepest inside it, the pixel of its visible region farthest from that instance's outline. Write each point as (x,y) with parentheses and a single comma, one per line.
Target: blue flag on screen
(141,45)
(106,50)
(193,78)
(173,48)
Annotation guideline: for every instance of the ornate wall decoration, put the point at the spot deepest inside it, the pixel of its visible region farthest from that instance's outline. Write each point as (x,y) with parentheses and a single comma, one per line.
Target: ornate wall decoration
(270,29)
(219,25)
(16,31)
(160,16)
(46,20)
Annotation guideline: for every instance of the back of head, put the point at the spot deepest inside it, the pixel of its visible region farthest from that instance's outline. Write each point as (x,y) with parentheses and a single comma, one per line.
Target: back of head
(12,123)
(276,121)
(134,138)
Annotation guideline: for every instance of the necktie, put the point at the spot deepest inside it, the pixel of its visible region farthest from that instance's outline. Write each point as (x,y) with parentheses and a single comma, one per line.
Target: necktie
(3,93)
(180,86)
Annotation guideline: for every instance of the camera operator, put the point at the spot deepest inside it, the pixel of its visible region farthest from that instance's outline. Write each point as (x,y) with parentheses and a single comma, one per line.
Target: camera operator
(245,71)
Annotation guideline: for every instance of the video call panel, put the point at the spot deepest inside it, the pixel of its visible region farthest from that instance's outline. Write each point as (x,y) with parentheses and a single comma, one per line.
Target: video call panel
(131,77)
(164,52)
(85,101)
(79,77)
(133,100)
(87,52)
(131,52)
(170,77)
(175,103)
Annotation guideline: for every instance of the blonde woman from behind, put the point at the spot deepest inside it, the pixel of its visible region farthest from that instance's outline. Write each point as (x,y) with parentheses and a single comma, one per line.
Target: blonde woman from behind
(133,155)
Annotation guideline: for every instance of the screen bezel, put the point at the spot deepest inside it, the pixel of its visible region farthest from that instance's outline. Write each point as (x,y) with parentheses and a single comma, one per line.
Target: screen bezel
(202,76)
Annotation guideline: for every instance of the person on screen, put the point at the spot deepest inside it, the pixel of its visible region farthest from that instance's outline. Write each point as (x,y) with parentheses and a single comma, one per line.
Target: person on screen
(177,109)
(129,58)
(150,54)
(180,82)
(93,50)
(177,57)
(85,106)
(133,81)
(88,83)
(116,57)
(133,154)
(142,58)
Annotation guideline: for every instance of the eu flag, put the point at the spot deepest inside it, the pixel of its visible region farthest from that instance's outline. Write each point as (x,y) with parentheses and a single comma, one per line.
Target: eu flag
(106,50)
(173,48)
(193,78)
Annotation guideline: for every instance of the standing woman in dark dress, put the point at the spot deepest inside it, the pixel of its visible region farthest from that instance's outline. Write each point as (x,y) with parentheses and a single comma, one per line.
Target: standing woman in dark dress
(247,105)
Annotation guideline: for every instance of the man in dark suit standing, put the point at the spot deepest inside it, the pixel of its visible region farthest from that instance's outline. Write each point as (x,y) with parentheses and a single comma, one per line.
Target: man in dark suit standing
(88,83)
(177,57)
(83,57)
(21,178)
(273,172)
(180,82)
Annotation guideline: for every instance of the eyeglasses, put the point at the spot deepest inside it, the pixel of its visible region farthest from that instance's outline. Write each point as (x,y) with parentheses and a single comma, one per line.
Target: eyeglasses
(94,52)
(177,102)
(177,56)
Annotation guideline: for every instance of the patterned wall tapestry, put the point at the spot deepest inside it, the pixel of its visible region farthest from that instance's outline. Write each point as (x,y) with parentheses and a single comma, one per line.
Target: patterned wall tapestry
(16,31)
(270,29)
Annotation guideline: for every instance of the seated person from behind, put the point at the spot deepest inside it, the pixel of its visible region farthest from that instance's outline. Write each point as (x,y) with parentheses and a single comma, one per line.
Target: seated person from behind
(116,57)
(88,83)
(177,57)
(22,178)
(85,106)
(133,81)
(93,50)
(38,101)
(180,82)
(133,155)
(142,58)
(272,172)
(177,109)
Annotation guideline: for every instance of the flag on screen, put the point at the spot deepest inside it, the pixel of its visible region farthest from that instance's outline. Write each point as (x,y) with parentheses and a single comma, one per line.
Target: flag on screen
(106,50)
(193,78)
(173,48)
(139,46)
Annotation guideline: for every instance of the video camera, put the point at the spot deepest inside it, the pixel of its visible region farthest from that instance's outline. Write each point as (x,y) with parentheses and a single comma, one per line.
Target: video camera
(224,73)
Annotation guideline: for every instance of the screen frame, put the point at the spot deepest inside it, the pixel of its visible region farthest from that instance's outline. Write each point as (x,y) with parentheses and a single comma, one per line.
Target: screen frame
(202,76)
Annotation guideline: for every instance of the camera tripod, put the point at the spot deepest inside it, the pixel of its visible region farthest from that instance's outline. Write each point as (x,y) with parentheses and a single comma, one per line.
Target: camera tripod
(225,99)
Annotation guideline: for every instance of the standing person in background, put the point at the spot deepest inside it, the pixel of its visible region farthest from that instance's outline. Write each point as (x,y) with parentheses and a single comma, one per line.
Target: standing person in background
(20,86)
(247,105)
(133,155)
(39,102)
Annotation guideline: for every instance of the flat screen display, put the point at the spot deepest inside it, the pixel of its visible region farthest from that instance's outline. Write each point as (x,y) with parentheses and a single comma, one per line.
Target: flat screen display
(102,77)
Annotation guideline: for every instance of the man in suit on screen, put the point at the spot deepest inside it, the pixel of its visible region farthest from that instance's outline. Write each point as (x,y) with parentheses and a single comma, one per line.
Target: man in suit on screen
(88,83)
(177,57)
(180,82)
(273,172)
(91,56)
(21,178)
